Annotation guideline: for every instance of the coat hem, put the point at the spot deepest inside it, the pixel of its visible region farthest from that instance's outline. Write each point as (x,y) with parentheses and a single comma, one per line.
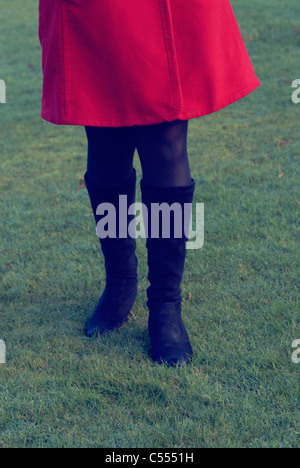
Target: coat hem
(152,120)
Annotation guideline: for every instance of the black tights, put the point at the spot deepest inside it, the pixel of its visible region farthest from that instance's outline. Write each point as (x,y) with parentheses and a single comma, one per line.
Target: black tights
(162,149)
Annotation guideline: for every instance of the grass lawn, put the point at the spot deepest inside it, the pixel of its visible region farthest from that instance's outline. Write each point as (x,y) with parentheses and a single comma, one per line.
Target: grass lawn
(240,291)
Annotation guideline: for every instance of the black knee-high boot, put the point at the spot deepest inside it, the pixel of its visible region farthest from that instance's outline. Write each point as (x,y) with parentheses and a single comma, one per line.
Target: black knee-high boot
(166,259)
(121,263)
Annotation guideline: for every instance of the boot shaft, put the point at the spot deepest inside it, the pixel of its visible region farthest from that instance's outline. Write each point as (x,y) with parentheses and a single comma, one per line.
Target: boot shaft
(119,252)
(166,255)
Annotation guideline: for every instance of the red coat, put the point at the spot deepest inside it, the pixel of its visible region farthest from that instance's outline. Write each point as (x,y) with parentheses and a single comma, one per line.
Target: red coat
(140,62)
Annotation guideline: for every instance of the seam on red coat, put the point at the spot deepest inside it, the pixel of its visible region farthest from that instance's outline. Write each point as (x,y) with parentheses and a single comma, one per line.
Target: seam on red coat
(171,54)
(238,35)
(65,61)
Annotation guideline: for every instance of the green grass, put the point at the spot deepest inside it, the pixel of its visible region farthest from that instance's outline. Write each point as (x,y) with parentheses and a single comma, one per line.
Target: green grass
(240,296)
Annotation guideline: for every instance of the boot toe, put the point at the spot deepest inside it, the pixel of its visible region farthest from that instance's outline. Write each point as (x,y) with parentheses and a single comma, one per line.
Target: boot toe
(102,326)
(169,338)
(113,308)
(171,356)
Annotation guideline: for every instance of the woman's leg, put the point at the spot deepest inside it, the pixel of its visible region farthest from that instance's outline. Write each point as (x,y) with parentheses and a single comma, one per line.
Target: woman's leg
(110,173)
(163,153)
(166,179)
(110,155)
